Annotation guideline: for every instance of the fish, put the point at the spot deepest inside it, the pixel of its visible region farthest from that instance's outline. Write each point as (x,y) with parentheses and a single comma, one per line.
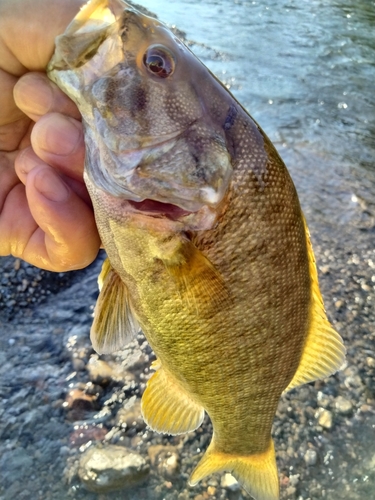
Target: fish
(208,251)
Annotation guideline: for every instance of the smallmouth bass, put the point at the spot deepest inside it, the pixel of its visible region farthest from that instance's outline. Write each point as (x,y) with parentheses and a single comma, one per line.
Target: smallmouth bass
(207,246)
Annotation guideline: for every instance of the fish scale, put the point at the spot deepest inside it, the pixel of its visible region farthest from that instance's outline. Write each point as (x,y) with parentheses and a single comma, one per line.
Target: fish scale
(208,250)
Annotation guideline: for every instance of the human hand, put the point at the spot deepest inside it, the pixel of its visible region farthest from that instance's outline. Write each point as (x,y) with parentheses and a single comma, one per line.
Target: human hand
(46,216)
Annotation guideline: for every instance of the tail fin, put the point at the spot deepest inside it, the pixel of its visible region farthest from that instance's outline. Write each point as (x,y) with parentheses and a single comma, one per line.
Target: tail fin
(257,474)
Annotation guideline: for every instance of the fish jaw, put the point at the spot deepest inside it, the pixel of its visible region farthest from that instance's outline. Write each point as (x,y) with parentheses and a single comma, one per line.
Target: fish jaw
(150,214)
(142,140)
(148,172)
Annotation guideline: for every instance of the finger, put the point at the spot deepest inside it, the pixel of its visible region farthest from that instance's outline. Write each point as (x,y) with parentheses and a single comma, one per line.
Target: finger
(58,140)
(16,222)
(36,95)
(66,237)
(28,29)
(27,160)
(13,123)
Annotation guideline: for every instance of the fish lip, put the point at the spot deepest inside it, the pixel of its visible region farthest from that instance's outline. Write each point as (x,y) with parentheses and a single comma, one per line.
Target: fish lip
(158,209)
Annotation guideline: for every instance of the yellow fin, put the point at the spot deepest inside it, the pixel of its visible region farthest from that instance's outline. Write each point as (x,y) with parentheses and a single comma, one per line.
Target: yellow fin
(114,324)
(257,474)
(324,351)
(199,283)
(166,406)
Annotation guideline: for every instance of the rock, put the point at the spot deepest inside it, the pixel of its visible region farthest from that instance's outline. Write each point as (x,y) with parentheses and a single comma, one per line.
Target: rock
(78,399)
(104,469)
(325,418)
(100,372)
(130,416)
(229,482)
(103,373)
(294,479)
(165,459)
(82,434)
(343,406)
(211,490)
(311,457)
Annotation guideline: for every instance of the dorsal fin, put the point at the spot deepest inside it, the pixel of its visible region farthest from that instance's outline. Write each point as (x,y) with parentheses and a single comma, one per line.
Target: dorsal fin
(114,324)
(324,351)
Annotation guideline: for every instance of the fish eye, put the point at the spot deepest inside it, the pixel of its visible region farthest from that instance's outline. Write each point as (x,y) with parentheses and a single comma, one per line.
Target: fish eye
(159,61)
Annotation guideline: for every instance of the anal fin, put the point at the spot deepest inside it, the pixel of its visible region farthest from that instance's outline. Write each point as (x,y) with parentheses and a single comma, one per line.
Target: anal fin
(324,351)
(167,407)
(114,324)
(257,473)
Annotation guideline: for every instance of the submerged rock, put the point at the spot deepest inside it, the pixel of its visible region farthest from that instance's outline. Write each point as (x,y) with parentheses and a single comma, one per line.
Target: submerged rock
(343,406)
(104,469)
(165,459)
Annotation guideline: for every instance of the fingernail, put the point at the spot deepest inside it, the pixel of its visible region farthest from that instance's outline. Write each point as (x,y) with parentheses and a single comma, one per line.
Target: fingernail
(57,134)
(50,185)
(33,94)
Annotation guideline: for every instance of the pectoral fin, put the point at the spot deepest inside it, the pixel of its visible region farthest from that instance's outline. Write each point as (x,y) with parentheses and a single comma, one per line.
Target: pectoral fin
(114,324)
(200,284)
(167,407)
(324,351)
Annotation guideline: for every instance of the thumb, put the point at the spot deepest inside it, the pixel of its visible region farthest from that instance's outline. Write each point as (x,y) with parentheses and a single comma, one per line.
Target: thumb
(39,22)
(66,237)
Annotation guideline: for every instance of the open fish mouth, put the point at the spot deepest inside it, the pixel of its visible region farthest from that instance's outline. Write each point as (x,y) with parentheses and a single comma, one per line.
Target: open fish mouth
(154,208)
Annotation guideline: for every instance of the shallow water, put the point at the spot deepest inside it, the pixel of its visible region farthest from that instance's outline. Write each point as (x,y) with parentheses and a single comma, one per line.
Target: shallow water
(305,70)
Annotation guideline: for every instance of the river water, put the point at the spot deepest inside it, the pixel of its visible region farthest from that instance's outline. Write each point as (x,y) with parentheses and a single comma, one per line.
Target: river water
(305,71)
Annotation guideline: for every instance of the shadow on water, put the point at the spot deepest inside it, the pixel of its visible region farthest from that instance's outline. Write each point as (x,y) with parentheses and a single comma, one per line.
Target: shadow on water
(305,70)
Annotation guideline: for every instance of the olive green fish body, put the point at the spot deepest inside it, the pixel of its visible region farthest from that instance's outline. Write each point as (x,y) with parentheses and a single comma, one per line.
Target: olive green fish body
(207,245)
(259,334)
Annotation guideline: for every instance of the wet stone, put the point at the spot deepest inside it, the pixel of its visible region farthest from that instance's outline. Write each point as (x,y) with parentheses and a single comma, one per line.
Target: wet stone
(100,372)
(165,459)
(325,418)
(311,457)
(104,469)
(79,403)
(83,434)
(130,416)
(229,482)
(343,406)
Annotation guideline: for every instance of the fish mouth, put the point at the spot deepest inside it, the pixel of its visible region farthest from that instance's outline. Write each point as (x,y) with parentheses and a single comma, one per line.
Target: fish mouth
(159,209)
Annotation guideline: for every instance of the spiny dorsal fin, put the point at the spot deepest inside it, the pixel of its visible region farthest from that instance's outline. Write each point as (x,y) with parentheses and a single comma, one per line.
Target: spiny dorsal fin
(166,407)
(324,351)
(114,324)
(199,283)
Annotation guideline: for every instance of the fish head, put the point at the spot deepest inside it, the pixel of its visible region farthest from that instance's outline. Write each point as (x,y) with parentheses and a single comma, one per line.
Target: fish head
(155,118)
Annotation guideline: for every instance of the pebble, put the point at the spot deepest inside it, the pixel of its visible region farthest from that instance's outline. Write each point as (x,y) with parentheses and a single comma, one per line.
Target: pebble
(311,457)
(229,482)
(100,372)
(343,406)
(165,459)
(325,418)
(83,434)
(131,416)
(109,468)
